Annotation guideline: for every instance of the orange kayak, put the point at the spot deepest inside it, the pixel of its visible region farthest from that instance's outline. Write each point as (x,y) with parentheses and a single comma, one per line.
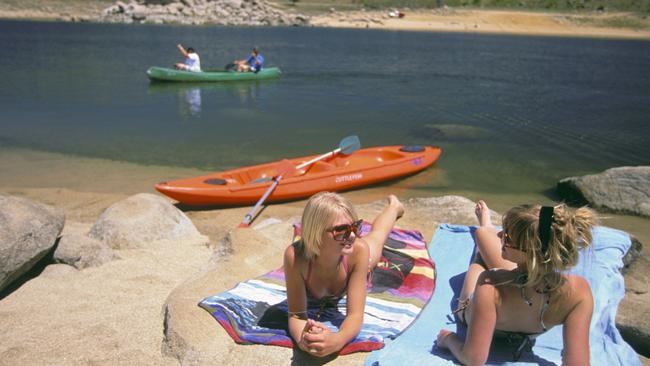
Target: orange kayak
(246,185)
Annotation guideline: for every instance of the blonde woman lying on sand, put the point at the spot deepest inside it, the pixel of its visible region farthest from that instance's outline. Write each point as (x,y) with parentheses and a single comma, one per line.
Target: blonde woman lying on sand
(516,285)
(329,262)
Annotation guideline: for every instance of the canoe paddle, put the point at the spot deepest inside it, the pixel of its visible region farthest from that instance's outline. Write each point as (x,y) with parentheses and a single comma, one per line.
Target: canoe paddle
(347,146)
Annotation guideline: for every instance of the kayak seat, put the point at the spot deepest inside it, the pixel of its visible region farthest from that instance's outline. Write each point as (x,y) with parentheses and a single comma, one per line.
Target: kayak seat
(321,166)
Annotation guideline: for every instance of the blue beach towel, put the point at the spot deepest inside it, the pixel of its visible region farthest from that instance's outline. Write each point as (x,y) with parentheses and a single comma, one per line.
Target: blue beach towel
(451,248)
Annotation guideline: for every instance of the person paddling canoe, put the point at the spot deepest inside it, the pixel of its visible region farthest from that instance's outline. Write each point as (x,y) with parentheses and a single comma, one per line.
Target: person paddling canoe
(254,62)
(192,61)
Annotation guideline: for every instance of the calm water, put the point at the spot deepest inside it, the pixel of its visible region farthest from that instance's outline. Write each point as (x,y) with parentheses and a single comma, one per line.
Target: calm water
(512,114)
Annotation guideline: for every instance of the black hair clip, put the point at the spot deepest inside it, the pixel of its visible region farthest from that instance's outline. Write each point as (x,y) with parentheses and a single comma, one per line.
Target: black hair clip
(545,221)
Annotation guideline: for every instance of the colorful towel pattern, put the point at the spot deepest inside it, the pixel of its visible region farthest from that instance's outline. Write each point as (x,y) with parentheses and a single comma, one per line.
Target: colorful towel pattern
(255,311)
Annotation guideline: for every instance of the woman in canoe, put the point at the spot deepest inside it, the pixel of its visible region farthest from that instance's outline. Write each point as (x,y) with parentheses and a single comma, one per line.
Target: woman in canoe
(516,286)
(330,261)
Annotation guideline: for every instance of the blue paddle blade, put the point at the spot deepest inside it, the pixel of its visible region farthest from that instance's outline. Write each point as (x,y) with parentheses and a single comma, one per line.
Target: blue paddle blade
(349,145)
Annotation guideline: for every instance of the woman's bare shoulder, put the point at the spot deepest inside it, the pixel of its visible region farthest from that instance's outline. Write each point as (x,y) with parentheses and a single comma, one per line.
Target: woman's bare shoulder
(575,288)
(292,256)
(487,284)
(361,252)
(497,277)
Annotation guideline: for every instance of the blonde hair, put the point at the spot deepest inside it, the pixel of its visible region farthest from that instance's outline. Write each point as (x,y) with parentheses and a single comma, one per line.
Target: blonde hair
(569,232)
(320,212)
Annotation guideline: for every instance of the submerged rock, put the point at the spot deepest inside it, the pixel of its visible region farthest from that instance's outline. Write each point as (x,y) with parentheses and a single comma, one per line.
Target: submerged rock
(448,131)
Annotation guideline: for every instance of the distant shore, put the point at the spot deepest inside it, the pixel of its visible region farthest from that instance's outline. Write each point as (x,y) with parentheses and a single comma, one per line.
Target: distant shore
(580,24)
(489,21)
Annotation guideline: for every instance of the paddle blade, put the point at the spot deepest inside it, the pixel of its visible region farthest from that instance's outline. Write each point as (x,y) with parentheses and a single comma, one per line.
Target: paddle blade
(349,145)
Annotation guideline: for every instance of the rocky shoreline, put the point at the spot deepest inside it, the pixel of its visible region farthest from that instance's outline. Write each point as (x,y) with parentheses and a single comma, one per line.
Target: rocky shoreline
(137,270)
(220,12)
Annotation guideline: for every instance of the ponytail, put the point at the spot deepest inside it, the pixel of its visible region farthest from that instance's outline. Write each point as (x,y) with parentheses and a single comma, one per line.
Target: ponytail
(551,237)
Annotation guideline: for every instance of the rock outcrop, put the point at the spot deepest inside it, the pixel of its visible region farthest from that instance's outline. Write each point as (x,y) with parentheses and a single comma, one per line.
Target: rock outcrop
(82,251)
(218,12)
(28,231)
(142,220)
(624,189)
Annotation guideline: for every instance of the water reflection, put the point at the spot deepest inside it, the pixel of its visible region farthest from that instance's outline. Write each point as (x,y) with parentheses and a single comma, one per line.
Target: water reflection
(193,98)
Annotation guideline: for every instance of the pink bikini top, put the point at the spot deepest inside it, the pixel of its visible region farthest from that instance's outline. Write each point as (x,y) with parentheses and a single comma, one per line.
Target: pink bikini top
(340,294)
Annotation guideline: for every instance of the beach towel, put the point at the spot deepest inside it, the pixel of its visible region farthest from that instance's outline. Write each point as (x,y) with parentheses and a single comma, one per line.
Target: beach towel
(255,311)
(452,247)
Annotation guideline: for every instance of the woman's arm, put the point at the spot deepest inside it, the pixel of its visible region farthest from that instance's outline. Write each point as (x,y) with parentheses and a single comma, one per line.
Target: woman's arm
(381,227)
(575,332)
(327,342)
(480,330)
(296,297)
(183,51)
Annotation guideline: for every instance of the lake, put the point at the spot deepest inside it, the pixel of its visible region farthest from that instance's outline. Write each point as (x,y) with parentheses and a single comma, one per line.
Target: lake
(513,114)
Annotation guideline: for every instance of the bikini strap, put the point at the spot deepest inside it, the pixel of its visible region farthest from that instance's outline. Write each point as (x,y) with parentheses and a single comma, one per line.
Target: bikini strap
(344,263)
(308,274)
(545,306)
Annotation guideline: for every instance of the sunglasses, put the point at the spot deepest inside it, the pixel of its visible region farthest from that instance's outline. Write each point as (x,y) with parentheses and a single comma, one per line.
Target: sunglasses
(506,240)
(343,232)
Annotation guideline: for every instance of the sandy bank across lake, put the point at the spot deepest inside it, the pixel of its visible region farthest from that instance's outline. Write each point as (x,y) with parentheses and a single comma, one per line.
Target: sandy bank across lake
(488,21)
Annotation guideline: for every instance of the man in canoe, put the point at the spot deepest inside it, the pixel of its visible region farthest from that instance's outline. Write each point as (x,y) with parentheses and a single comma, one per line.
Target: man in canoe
(253,63)
(192,61)
(330,261)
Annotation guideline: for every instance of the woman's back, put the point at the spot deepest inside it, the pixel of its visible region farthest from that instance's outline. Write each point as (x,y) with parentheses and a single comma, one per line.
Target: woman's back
(526,310)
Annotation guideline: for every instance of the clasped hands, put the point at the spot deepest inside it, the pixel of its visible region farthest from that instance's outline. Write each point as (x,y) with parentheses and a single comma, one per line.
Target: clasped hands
(317,339)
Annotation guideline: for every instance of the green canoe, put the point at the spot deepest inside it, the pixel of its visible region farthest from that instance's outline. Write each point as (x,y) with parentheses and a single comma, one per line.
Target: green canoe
(166,74)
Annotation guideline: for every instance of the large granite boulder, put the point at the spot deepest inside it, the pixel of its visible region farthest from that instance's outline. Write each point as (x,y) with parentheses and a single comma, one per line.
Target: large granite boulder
(82,251)
(632,316)
(142,220)
(624,189)
(191,334)
(28,231)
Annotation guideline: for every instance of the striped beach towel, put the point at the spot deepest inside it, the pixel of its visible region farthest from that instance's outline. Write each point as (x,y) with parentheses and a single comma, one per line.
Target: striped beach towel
(255,311)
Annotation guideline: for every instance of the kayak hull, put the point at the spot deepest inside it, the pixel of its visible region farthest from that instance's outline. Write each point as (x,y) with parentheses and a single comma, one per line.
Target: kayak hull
(244,186)
(166,74)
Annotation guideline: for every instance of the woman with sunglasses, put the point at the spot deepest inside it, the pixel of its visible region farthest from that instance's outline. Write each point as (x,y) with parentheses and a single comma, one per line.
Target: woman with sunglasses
(516,287)
(330,261)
